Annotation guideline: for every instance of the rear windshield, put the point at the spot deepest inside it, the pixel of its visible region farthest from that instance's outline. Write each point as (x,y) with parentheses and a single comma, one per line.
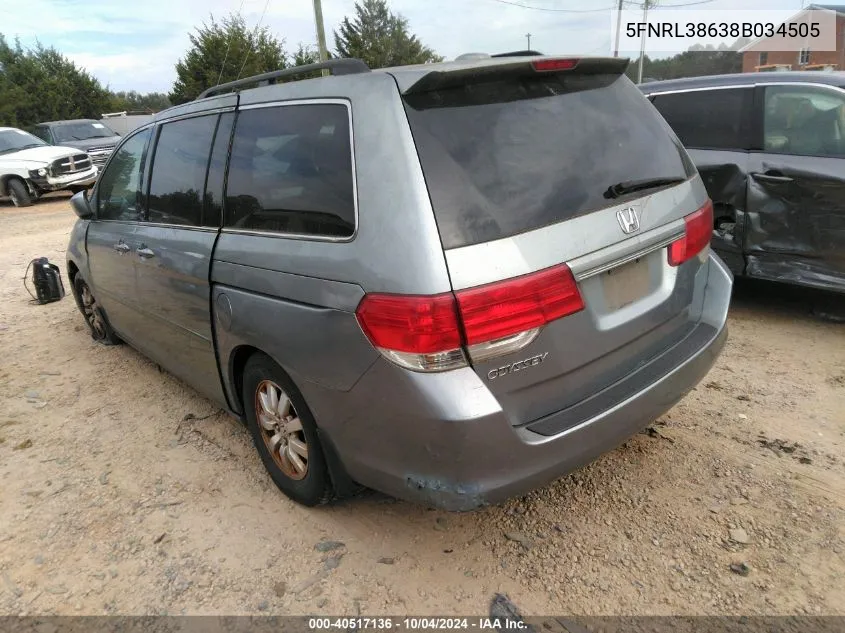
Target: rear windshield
(508,156)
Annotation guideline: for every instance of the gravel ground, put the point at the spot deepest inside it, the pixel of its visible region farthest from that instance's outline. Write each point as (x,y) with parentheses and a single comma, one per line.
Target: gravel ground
(123,491)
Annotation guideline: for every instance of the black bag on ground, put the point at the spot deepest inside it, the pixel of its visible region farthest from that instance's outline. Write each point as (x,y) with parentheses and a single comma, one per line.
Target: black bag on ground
(47,280)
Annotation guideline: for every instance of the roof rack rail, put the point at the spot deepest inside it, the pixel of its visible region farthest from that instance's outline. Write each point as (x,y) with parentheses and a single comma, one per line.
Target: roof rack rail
(344,66)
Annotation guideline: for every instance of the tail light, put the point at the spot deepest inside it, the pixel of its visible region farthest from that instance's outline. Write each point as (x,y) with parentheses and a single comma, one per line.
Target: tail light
(417,332)
(698,230)
(428,333)
(551,65)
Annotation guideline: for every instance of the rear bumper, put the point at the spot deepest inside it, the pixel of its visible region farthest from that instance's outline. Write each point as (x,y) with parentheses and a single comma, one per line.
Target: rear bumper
(443,440)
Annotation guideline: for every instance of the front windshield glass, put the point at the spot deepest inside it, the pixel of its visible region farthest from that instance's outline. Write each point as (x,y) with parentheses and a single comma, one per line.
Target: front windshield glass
(81,131)
(14,140)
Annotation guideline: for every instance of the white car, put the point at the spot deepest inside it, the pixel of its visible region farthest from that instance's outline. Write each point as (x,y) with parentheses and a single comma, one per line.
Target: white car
(29,167)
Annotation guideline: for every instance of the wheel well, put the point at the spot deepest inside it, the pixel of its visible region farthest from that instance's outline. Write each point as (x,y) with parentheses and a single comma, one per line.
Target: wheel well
(341,481)
(4,183)
(238,362)
(72,272)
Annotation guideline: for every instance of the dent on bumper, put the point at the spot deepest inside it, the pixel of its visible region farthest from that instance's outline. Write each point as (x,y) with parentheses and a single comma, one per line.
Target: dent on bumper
(443,440)
(88,177)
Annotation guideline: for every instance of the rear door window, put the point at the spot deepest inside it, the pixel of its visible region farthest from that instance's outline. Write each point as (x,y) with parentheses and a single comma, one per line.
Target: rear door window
(290,171)
(804,120)
(177,181)
(510,155)
(708,119)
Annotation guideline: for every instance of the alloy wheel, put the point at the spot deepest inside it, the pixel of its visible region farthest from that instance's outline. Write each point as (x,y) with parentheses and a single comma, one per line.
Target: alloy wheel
(281,429)
(92,312)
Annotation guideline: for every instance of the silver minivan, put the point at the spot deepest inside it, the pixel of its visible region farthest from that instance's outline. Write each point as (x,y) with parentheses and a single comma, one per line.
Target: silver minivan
(451,282)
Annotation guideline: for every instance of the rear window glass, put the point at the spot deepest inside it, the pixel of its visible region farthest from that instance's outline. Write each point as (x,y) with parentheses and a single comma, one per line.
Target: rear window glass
(707,119)
(291,171)
(508,156)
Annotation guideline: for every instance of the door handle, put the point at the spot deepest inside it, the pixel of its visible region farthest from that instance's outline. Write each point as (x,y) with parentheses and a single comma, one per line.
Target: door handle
(121,247)
(144,252)
(769,177)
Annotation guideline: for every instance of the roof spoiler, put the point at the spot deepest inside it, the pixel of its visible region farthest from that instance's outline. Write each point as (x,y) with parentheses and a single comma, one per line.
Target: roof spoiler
(518,54)
(343,66)
(461,76)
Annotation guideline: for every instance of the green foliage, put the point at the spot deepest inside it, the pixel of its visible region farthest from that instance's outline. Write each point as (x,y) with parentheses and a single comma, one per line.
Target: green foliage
(132,100)
(41,84)
(305,55)
(207,63)
(380,38)
(696,62)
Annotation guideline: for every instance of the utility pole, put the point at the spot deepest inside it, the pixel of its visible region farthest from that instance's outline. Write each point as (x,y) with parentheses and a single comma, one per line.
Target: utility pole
(642,42)
(528,37)
(321,32)
(618,28)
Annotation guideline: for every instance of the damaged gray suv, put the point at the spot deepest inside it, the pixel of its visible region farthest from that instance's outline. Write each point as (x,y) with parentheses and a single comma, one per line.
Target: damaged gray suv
(770,148)
(452,283)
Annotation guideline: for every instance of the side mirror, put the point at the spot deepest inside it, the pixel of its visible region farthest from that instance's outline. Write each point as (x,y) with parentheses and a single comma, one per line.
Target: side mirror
(81,205)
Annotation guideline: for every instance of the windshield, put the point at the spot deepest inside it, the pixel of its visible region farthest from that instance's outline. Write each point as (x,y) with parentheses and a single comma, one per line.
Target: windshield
(14,140)
(505,156)
(81,131)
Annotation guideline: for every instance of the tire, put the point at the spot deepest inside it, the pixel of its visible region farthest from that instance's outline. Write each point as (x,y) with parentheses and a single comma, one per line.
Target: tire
(95,317)
(289,428)
(19,193)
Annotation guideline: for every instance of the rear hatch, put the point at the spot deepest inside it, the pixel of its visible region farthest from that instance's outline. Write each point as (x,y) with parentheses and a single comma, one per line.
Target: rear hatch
(559,192)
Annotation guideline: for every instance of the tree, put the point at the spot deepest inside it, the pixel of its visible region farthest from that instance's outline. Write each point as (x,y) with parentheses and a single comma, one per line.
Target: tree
(695,62)
(305,55)
(41,84)
(222,52)
(132,100)
(380,38)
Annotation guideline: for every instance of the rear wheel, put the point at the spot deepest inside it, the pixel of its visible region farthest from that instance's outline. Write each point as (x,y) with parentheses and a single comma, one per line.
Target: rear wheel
(284,432)
(18,193)
(95,318)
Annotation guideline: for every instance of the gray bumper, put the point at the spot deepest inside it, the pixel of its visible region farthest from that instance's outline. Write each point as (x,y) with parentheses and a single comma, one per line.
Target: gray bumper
(443,440)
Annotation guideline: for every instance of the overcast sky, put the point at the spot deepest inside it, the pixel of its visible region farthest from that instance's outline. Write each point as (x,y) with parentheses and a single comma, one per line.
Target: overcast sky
(134,45)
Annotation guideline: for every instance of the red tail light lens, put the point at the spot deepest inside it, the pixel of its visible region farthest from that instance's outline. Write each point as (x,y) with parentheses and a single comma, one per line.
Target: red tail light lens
(697,233)
(408,323)
(423,333)
(550,65)
(508,307)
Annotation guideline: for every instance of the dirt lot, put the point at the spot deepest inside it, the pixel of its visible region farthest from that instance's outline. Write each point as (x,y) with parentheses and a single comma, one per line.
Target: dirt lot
(123,491)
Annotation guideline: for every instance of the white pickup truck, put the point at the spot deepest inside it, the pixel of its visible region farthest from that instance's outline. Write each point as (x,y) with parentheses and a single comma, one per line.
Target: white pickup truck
(29,167)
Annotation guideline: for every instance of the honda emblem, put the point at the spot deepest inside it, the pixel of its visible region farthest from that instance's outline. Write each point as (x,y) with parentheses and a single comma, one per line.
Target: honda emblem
(628,219)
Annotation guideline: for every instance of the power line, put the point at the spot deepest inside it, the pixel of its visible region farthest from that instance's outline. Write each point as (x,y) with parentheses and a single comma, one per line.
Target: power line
(254,32)
(682,4)
(525,6)
(634,4)
(228,44)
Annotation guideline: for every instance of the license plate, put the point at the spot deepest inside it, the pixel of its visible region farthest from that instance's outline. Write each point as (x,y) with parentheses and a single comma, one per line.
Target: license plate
(625,284)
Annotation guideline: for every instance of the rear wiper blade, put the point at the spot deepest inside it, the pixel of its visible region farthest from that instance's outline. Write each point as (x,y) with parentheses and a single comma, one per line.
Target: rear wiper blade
(630,186)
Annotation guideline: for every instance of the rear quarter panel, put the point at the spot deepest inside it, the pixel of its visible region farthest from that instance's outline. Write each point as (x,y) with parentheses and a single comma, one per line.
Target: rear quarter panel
(306,325)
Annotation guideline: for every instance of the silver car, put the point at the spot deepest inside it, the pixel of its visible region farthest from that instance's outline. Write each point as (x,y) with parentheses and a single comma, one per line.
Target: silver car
(452,282)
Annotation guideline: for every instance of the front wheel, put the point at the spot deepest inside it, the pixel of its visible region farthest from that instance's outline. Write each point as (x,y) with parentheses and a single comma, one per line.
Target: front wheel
(284,432)
(95,318)
(18,193)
